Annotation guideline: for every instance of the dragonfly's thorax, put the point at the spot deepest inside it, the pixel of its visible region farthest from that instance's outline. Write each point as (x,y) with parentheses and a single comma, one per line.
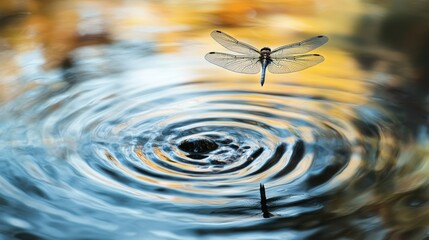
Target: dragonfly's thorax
(265,54)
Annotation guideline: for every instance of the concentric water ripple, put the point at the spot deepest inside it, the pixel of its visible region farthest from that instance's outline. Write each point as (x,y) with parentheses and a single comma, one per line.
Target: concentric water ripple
(255,137)
(174,153)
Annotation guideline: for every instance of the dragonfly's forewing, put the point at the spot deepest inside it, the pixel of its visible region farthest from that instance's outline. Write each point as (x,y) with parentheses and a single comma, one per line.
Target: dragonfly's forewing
(233,44)
(294,63)
(299,48)
(235,63)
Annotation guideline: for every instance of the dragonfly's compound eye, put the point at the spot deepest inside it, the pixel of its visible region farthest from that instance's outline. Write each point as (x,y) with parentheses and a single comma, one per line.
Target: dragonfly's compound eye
(266,49)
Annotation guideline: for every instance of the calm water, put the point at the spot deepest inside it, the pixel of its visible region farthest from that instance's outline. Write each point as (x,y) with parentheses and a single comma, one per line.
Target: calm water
(115,127)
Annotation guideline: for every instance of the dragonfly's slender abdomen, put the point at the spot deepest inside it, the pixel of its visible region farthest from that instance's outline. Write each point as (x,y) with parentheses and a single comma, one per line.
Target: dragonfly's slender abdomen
(265,63)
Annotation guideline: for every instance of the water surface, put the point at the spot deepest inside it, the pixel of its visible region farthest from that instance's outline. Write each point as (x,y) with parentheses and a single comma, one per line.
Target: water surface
(126,132)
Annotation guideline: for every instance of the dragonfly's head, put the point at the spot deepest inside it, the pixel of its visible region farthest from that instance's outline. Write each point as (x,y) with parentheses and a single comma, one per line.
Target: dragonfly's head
(265,50)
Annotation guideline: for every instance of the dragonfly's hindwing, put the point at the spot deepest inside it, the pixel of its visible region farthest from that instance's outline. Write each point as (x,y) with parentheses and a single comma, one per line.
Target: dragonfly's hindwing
(294,63)
(235,63)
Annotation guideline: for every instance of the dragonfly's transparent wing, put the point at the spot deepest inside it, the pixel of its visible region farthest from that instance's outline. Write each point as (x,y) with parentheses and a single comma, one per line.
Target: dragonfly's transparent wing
(294,63)
(233,44)
(235,63)
(299,48)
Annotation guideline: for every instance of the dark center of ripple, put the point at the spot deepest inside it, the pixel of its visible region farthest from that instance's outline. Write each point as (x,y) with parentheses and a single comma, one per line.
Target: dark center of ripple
(214,149)
(198,145)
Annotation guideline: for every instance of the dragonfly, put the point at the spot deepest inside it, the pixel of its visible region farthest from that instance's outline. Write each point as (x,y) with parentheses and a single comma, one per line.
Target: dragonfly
(251,60)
